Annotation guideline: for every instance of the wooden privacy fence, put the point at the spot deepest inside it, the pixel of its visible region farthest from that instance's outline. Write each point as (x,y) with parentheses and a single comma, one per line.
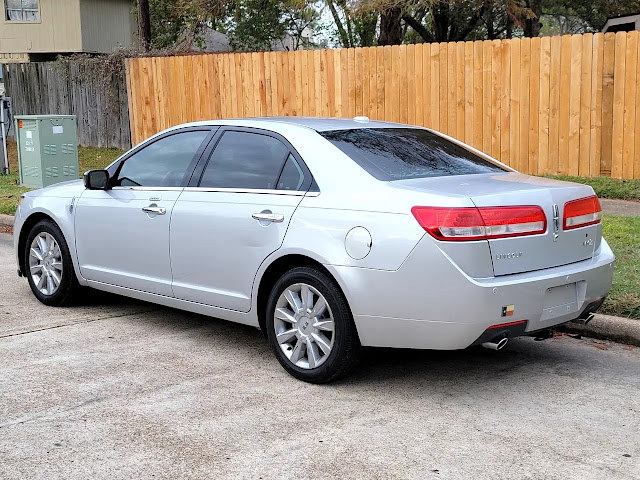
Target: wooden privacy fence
(566,105)
(73,88)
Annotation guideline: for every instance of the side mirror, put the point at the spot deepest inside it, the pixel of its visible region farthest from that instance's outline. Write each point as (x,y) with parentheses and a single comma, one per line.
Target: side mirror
(96,180)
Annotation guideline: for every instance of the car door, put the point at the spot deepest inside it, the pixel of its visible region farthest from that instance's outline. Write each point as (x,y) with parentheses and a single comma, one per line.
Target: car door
(122,234)
(235,215)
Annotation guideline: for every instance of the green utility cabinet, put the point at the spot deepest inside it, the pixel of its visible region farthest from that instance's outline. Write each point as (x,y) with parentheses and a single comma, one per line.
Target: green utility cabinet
(47,149)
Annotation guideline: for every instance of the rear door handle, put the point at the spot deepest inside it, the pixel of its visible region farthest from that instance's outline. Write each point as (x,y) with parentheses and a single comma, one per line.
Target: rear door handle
(154,210)
(268,217)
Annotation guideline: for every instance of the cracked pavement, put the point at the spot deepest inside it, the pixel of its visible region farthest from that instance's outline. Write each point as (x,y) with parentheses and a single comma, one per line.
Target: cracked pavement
(116,388)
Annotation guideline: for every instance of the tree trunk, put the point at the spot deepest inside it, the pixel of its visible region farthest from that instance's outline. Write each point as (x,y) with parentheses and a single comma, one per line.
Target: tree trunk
(532,25)
(390,27)
(509,33)
(144,24)
(342,33)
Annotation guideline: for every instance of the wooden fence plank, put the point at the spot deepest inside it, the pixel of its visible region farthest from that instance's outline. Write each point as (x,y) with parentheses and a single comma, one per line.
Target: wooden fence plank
(630,105)
(359,81)
(426,84)
(554,105)
(543,116)
(418,84)
(607,103)
(636,163)
(525,80)
(595,133)
(388,83)
(500,123)
(444,86)
(451,89)
(411,84)
(380,83)
(490,51)
(460,92)
(573,154)
(478,58)
(435,86)
(401,75)
(534,107)
(565,104)
(468,104)
(343,111)
(618,105)
(585,103)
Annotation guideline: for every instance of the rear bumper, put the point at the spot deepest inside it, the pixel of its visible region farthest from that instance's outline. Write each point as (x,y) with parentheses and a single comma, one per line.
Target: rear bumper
(430,303)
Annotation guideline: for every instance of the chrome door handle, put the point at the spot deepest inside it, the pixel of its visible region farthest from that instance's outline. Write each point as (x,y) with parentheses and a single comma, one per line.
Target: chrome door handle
(269,217)
(156,210)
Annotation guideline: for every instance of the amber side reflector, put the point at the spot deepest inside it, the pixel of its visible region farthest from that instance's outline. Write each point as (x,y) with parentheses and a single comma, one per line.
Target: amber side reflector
(19,123)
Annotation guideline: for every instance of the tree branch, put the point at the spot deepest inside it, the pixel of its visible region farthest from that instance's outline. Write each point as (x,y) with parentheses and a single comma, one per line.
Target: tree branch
(471,25)
(344,37)
(419,28)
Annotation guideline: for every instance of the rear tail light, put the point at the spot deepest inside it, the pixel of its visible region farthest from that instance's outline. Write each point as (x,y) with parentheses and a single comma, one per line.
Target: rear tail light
(582,212)
(480,223)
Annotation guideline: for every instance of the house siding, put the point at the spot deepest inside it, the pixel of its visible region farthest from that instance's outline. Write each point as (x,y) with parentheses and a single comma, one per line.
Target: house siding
(68,26)
(107,25)
(58,30)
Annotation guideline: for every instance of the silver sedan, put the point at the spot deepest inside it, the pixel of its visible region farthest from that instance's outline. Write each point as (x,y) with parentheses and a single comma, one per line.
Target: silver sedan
(327,234)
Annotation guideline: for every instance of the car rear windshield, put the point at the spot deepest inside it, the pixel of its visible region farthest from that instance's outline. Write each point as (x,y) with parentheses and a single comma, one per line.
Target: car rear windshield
(404,153)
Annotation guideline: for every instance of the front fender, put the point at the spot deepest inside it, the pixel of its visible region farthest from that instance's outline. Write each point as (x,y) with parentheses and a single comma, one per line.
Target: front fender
(58,209)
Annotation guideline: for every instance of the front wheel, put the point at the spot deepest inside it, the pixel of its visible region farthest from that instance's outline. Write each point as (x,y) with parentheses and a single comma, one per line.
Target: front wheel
(49,265)
(310,328)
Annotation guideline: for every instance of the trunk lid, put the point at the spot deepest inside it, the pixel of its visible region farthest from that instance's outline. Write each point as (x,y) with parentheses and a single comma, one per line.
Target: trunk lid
(553,248)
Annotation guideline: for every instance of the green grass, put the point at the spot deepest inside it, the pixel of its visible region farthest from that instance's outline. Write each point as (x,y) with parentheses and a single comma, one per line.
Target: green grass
(89,158)
(607,187)
(623,234)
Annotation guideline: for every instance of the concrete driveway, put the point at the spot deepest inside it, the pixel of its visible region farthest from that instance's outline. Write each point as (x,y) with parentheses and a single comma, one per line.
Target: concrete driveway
(122,389)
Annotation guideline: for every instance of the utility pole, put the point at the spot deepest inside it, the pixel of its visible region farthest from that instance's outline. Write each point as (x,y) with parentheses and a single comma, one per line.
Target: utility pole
(4,160)
(144,24)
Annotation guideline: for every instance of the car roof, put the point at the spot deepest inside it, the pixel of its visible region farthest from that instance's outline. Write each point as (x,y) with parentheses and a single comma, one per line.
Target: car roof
(314,123)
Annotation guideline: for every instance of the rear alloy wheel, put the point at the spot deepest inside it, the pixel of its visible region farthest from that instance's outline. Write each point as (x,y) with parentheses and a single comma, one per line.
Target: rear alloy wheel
(49,266)
(310,328)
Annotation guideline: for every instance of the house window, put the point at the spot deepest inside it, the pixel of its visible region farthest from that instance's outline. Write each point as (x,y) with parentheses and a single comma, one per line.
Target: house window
(22,10)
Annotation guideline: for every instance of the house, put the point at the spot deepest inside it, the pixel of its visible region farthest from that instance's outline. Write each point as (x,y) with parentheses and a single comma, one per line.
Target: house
(624,23)
(39,30)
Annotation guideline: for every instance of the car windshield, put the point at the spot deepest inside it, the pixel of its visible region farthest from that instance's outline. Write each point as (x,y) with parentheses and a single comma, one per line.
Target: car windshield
(404,153)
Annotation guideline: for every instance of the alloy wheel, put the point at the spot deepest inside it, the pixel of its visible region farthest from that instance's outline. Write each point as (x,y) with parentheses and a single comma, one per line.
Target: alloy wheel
(45,263)
(304,326)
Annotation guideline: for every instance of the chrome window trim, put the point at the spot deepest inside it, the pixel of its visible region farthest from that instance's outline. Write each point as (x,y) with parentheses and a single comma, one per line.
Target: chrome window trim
(148,188)
(297,193)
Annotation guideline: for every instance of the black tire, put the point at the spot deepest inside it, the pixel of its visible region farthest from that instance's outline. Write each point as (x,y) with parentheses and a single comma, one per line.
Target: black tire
(344,354)
(68,288)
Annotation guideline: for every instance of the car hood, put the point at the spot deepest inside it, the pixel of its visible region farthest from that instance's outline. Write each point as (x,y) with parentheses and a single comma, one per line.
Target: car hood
(72,188)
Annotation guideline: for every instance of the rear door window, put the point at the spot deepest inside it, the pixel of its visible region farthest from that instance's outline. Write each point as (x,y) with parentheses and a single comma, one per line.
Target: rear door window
(292,176)
(404,153)
(245,160)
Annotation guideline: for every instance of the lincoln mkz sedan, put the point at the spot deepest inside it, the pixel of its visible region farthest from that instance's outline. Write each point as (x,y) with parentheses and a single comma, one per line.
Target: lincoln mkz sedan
(327,234)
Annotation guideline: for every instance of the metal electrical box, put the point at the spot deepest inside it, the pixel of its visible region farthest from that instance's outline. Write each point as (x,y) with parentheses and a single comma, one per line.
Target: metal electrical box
(47,149)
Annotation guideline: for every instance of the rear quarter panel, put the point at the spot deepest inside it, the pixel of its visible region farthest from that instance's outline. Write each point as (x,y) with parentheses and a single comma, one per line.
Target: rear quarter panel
(323,231)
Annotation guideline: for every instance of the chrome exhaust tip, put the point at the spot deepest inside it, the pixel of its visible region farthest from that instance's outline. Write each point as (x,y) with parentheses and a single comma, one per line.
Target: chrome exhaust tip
(584,320)
(499,345)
